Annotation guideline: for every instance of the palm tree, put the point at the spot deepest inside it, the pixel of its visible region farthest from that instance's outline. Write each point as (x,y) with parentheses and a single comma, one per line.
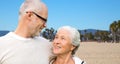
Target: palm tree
(85,37)
(118,31)
(113,29)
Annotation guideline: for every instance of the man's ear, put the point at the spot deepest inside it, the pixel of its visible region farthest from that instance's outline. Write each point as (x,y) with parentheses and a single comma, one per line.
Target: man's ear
(29,15)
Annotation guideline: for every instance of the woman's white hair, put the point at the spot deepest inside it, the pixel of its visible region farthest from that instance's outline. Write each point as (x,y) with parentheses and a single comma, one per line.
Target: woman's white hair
(74,35)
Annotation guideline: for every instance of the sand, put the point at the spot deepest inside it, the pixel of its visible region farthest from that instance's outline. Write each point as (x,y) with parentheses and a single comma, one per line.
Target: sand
(99,53)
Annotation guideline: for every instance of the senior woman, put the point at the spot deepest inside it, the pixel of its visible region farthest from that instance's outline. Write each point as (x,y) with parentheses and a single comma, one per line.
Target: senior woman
(65,44)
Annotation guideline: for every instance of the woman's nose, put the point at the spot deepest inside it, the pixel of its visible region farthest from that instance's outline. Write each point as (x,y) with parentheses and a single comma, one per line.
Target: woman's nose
(56,41)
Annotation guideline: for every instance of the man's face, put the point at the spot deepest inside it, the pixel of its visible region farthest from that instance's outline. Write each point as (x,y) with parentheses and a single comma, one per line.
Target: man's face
(38,23)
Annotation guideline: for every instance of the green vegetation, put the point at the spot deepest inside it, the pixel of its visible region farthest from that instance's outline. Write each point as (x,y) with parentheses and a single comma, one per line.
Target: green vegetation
(113,35)
(115,31)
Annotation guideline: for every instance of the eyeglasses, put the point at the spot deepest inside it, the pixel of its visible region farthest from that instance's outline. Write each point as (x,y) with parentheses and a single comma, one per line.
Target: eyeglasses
(40,17)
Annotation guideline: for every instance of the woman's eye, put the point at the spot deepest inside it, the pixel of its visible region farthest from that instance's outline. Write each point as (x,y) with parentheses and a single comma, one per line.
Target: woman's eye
(56,37)
(62,38)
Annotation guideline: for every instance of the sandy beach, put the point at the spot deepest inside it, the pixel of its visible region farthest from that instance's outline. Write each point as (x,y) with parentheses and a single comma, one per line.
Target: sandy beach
(99,53)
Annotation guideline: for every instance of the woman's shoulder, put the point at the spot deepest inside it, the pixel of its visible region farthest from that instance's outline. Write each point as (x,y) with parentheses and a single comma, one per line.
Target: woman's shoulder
(78,60)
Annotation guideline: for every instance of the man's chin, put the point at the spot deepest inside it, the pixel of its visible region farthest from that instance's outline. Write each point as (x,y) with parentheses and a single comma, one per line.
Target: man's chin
(36,35)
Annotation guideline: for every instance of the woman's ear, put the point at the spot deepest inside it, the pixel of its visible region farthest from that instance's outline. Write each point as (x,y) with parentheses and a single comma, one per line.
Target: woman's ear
(73,47)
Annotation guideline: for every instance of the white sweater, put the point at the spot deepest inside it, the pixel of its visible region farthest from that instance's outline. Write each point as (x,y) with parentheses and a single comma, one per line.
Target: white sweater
(76,60)
(18,50)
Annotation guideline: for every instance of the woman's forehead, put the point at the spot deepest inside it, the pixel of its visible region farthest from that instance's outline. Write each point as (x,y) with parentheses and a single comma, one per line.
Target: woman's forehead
(63,31)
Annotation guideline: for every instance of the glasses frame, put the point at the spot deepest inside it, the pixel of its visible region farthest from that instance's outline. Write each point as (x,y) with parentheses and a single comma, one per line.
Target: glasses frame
(40,17)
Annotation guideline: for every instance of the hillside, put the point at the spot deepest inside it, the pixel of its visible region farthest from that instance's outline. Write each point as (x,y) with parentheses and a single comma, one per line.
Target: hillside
(3,32)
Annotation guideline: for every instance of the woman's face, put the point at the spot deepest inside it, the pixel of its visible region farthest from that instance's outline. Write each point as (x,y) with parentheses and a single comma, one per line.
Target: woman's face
(62,43)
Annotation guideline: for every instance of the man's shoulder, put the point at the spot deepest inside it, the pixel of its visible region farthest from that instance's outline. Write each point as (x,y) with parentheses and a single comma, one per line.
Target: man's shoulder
(4,37)
(41,38)
(4,40)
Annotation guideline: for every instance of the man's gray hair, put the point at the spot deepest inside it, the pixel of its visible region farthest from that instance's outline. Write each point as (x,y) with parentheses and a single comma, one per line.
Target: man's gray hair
(30,5)
(74,35)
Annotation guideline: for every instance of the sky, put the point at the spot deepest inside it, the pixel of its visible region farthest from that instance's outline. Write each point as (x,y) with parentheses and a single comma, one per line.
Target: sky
(81,14)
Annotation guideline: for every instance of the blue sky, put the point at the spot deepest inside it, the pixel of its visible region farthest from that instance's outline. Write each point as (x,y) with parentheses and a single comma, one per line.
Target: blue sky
(81,14)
